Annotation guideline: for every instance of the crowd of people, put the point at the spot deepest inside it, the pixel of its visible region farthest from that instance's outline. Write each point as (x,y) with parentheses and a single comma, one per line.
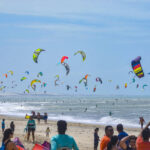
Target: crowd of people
(62,141)
(122,141)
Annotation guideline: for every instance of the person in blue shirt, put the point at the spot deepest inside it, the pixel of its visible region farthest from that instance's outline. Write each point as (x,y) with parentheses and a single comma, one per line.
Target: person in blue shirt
(121,133)
(62,140)
(3,125)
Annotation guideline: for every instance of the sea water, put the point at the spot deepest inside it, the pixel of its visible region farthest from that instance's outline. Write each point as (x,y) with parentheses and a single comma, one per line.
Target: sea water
(99,110)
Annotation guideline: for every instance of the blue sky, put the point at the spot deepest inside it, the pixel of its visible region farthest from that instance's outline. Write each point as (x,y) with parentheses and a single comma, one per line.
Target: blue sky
(112,33)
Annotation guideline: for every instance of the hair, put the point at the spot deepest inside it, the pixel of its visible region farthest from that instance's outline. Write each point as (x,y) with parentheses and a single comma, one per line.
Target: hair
(3,119)
(146,134)
(7,134)
(132,138)
(106,128)
(119,127)
(96,129)
(112,142)
(62,126)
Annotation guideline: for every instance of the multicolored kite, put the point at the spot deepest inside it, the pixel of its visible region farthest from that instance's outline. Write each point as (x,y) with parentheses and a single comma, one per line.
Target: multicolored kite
(137,68)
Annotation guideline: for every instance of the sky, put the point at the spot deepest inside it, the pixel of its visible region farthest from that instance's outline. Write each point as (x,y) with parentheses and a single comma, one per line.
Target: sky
(112,33)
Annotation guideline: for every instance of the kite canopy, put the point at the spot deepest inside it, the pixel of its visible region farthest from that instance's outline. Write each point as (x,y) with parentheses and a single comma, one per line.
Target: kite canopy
(82,54)
(27,72)
(6,75)
(34,81)
(144,85)
(63,59)
(126,85)
(36,54)
(137,68)
(98,79)
(11,72)
(27,91)
(23,78)
(68,87)
(40,74)
(44,84)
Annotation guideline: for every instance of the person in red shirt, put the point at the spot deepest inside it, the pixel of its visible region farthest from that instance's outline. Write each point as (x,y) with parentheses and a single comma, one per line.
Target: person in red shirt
(142,142)
(106,139)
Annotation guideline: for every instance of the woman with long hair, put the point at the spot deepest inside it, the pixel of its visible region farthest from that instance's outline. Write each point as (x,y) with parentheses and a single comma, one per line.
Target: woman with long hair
(8,144)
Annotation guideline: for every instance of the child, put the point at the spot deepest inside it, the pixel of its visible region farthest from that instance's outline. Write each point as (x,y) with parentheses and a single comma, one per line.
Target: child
(3,125)
(47,132)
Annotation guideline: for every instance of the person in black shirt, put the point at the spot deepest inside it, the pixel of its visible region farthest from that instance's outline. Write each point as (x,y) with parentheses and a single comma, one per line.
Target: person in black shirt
(96,138)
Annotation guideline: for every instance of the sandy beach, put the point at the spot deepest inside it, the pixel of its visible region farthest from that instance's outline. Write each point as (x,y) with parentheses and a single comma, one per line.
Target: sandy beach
(83,133)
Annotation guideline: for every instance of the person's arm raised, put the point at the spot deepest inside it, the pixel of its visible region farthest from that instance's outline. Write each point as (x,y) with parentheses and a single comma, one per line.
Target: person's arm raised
(145,128)
(123,144)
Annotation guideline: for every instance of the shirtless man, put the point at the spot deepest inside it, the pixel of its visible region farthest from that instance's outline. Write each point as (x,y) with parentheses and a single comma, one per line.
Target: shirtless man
(141,122)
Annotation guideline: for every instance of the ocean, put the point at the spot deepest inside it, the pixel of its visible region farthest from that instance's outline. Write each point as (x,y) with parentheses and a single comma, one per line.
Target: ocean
(100,110)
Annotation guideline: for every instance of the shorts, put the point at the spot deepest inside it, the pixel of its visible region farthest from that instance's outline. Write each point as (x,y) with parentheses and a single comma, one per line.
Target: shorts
(31,129)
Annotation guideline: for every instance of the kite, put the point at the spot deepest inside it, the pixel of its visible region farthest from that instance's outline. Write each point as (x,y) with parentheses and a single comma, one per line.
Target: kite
(82,54)
(57,76)
(68,87)
(86,76)
(133,80)
(36,54)
(84,80)
(94,90)
(11,72)
(126,85)
(44,84)
(137,86)
(76,88)
(5,75)
(27,91)
(137,68)
(117,87)
(98,79)
(27,72)
(144,85)
(148,73)
(34,81)
(40,74)
(66,67)
(2,87)
(63,59)
(109,80)
(23,78)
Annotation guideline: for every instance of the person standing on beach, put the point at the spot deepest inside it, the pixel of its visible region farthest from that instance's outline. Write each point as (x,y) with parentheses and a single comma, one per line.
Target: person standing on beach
(47,132)
(12,126)
(142,142)
(121,133)
(31,126)
(3,125)
(45,118)
(63,141)
(109,131)
(38,117)
(142,121)
(96,138)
